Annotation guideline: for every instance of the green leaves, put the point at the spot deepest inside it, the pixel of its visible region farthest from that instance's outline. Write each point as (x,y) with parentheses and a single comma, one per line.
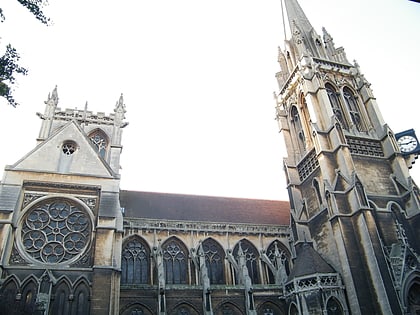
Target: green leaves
(35,7)
(9,65)
(8,68)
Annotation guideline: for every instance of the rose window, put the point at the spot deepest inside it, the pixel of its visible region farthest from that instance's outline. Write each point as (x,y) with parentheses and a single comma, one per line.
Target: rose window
(56,231)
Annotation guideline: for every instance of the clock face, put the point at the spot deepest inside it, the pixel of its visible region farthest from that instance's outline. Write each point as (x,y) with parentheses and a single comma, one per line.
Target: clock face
(407,144)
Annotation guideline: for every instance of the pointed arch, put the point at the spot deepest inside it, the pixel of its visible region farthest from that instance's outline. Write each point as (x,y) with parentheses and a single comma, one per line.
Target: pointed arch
(136,309)
(135,261)
(317,189)
(412,293)
(81,293)
(279,256)
(9,295)
(336,105)
(215,261)
(61,292)
(251,259)
(100,140)
(354,109)
(306,121)
(334,307)
(28,295)
(293,310)
(269,308)
(184,308)
(228,308)
(296,126)
(175,261)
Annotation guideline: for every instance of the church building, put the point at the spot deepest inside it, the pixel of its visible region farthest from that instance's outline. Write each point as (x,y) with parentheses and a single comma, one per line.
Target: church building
(346,242)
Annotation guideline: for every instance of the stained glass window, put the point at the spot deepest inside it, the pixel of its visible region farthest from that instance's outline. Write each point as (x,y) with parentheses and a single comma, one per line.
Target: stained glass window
(215,258)
(135,262)
(175,259)
(55,231)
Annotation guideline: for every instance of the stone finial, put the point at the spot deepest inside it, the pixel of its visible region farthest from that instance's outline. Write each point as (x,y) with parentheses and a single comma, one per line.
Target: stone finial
(119,113)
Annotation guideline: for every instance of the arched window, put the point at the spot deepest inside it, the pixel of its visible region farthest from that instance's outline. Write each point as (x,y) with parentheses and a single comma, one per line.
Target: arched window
(60,304)
(175,261)
(81,304)
(215,257)
(100,141)
(135,262)
(297,128)
(413,298)
(279,257)
(28,298)
(334,307)
(293,310)
(8,295)
(354,109)
(336,105)
(251,259)
(269,308)
(315,185)
(228,309)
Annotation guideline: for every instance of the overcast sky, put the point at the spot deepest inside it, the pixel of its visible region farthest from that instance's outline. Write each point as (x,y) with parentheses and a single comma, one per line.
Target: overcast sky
(198,81)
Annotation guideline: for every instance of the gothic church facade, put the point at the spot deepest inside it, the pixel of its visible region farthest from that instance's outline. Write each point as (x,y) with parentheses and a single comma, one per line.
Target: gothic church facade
(72,242)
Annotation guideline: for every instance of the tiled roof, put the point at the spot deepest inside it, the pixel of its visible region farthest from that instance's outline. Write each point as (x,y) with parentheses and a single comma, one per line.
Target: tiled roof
(167,206)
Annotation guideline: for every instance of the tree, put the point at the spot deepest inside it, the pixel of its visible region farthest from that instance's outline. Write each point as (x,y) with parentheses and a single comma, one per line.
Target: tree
(9,65)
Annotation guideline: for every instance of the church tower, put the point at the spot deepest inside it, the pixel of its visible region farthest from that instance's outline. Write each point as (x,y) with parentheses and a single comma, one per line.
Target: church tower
(61,217)
(354,205)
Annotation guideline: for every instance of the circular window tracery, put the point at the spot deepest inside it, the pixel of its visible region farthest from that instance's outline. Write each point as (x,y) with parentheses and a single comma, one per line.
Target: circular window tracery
(55,231)
(69,147)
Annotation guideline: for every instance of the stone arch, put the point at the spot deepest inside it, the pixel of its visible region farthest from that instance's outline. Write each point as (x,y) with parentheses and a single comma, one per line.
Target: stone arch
(251,258)
(81,293)
(175,261)
(215,260)
(136,309)
(61,291)
(269,308)
(9,294)
(411,292)
(135,261)
(29,289)
(293,309)
(334,306)
(228,308)
(184,308)
(100,141)
(354,109)
(297,128)
(280,257)
(336,105)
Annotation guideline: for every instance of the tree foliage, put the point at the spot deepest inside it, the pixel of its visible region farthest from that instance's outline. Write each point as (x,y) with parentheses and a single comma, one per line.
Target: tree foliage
(9,65)
(8,68)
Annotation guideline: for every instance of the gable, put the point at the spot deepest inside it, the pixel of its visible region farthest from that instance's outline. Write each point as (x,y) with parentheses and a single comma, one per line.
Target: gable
(66,151)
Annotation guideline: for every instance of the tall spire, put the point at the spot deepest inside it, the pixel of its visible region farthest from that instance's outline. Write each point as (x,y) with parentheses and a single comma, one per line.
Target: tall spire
(304,38)
(296,16)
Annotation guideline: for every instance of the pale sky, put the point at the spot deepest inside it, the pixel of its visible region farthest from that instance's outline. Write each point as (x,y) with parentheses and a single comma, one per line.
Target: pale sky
(198,81)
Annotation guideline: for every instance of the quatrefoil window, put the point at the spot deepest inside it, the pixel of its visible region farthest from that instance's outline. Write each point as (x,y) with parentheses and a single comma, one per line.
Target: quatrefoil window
(55,231)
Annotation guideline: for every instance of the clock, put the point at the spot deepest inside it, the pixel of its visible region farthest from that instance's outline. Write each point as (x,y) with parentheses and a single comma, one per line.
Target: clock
(407,141)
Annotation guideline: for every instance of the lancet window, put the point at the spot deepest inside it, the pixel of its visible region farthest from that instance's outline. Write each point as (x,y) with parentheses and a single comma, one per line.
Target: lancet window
(215,258)
(135,262)
(279,257)
(297,128)
(353,107)
(336,105)
(334,307)
(100,141)
(250,254)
